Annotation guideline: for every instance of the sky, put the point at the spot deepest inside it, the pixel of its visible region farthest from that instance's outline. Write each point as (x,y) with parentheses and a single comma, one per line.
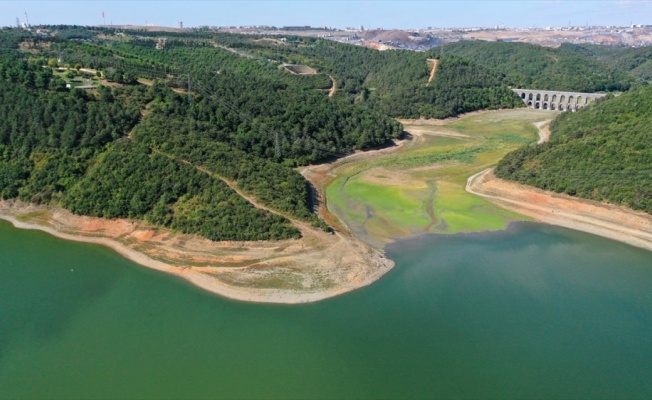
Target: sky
(388,14)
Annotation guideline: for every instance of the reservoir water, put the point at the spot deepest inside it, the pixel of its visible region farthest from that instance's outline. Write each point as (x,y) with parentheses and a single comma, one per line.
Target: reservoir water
(532,312)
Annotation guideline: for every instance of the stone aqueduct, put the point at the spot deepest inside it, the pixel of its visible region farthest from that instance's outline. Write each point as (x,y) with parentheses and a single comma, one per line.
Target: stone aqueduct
(556,101)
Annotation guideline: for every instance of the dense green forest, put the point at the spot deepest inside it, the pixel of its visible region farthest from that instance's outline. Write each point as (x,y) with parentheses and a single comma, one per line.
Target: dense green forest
(637,61)
(164,191)
(531,66)
(602,152)
(70,148)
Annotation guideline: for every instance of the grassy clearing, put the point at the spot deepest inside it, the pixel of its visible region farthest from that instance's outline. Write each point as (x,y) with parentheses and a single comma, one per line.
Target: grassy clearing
(421,188)
(77,78)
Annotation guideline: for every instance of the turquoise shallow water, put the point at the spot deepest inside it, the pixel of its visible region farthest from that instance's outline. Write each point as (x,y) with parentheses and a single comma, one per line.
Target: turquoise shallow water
(532,312)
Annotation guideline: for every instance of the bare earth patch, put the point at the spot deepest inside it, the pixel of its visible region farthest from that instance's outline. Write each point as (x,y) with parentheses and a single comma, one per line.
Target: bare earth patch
(544,131)
(611,221)
(388,177)
(300,69)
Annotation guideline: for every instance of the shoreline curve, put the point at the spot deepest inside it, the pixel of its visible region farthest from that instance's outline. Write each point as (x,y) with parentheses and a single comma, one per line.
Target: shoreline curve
(607,220)
(346,271)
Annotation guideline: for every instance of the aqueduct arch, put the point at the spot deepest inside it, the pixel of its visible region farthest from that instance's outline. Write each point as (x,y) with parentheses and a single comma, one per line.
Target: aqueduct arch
(555,100)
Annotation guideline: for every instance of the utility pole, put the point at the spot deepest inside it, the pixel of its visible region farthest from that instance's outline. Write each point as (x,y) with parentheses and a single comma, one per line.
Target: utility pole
(189,94)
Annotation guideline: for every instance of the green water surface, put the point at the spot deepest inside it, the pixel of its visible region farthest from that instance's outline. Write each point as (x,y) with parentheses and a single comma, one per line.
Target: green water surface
(531,312)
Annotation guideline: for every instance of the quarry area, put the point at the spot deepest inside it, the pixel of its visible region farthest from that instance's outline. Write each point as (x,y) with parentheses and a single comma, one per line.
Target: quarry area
(426,38)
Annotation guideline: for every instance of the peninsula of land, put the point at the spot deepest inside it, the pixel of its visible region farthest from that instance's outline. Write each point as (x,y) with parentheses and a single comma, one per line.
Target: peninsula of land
(318,266)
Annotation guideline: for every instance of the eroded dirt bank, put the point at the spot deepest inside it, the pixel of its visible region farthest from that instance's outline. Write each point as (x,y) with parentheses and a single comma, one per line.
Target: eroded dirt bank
(318,266)
(611,221)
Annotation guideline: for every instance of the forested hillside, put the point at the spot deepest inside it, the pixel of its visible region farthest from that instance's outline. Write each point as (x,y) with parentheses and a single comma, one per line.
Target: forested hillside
(636,61)
(602,152)
(531,66)
(250,101)
(70,148)
(392,81)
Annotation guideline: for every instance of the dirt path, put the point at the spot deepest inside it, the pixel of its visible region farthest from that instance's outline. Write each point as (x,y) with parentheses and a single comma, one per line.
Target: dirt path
(433,69)
(234,51)
(544,130)
(333,88)
(611,221)
(252,200)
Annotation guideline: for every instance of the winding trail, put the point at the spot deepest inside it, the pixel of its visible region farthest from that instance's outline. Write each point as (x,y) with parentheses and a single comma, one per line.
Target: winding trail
(231,184)
(234,51)
(333,88)
(433,70)
(544,130)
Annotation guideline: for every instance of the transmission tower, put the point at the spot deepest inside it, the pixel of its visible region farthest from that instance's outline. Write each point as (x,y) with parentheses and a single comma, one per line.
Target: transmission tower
(189,94)
(26,20)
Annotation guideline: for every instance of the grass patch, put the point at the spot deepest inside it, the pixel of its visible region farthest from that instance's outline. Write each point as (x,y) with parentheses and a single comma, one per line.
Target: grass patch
(464,212)
(34,215)
(400,206)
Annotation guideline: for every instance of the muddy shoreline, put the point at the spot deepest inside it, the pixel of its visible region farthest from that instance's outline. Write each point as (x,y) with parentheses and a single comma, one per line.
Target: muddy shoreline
(611,221)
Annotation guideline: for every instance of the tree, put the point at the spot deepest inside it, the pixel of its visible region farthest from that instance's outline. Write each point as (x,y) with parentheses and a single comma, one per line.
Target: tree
(56,83)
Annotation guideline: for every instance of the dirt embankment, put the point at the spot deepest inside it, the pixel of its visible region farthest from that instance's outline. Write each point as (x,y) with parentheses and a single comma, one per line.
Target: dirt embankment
(611,221)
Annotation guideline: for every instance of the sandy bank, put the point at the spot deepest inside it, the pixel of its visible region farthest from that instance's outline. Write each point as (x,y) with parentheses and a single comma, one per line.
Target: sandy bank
(611,221)
(316,267)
